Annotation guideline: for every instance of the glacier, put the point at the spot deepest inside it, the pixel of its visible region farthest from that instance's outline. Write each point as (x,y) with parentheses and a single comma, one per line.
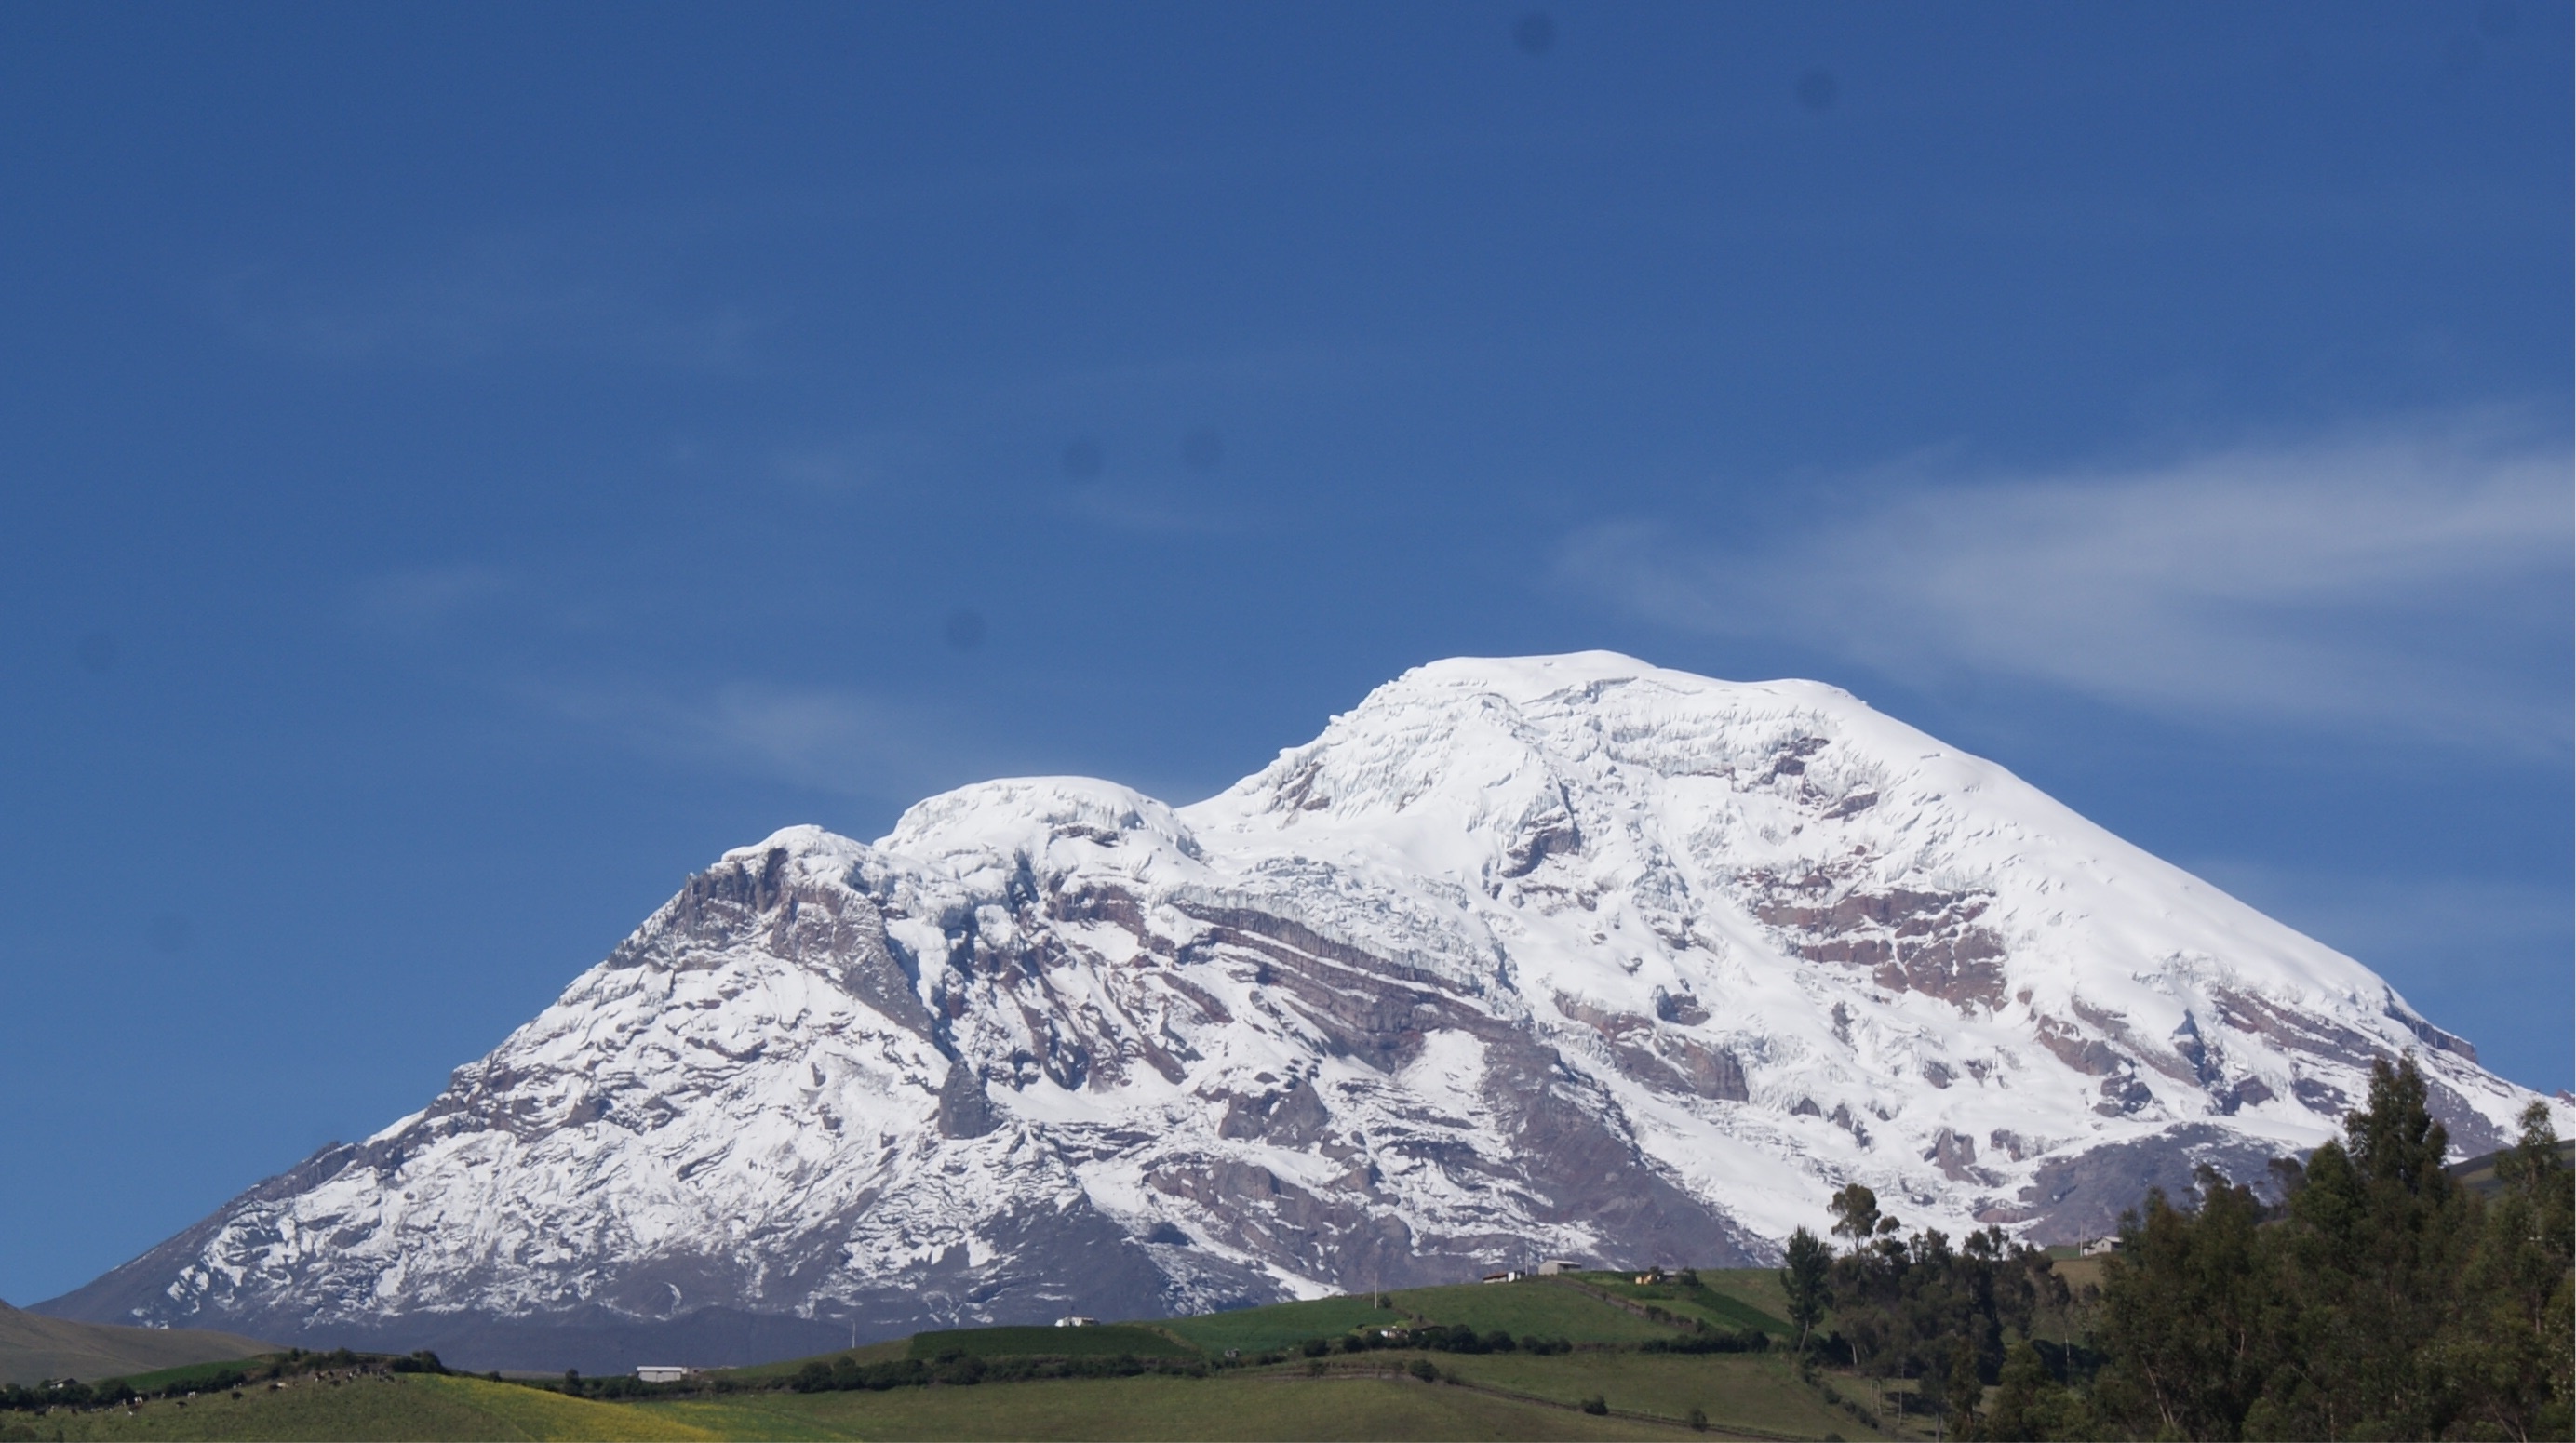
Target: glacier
(1563,956)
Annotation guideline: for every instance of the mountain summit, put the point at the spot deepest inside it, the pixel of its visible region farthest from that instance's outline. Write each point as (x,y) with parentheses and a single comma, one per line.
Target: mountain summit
(1548,957)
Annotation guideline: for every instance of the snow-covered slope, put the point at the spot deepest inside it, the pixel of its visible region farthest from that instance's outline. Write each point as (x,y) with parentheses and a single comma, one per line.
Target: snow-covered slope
(1563,956)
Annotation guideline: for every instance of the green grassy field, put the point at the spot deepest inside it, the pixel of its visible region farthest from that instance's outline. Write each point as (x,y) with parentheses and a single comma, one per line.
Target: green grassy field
(1756,1288)
(191,1374)
(2082,1273)
(1532,1309)
(401,1407)
(1240,1406)
(1721,1309)
(1750,1391)
(1098,1341)
(1367,1395)
(1280,1325)
(1352,1400)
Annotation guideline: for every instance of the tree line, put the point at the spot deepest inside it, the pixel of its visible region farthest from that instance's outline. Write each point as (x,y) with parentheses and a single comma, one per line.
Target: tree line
(958,1368)
(2374,1296)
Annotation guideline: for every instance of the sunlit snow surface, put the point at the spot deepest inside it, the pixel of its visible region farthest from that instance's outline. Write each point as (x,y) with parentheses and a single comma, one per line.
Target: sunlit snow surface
(1380,1010)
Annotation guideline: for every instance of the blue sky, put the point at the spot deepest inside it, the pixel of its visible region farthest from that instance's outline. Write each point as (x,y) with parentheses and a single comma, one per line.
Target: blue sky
(466,466)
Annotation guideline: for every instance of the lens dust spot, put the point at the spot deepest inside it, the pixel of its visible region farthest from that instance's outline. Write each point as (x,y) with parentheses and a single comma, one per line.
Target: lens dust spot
(1534,33)
(170,933)
(1083,458)
(96,652)
(1817,90)
(1202,449)
(965,629)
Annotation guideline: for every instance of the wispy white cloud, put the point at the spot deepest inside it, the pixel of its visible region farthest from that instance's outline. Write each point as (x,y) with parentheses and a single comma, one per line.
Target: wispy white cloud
(869,461)
(836,740)
(414,599)
(547,646)
(2458,920)
(2405,578)
(484,296)
(1151,509)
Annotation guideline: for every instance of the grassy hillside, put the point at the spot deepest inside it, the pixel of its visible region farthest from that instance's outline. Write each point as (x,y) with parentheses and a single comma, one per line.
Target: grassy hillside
(1237,1406)
(1281,1325)
(2082,1273)
(1302,1372)
(1757,1290)
(1537,1308)
(1751,1392)
(35,1347)
(1717,1305)
(1343,1393)
(1500,1396)
(189,1375)
(1534,1308)
(398,1407)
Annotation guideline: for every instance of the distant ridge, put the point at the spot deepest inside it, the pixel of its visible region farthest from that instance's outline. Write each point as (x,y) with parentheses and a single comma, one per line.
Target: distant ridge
(2479,1173)
(34,1347)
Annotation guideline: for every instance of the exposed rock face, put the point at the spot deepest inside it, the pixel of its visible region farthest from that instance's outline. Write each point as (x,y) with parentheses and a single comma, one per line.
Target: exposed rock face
(1553,957)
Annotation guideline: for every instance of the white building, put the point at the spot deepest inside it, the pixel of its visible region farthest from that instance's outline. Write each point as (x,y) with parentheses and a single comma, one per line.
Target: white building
(1075,1321)
(659,1373)
(1554,1266)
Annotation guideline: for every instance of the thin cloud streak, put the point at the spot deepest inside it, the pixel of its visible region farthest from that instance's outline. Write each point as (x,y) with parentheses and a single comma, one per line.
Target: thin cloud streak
(864,462)
(487,296)
(418,599)
(2395,581)
(833,740)
(2479,924)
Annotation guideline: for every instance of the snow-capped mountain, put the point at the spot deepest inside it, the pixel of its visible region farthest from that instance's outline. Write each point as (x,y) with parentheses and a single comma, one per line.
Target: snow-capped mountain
(1561,956)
